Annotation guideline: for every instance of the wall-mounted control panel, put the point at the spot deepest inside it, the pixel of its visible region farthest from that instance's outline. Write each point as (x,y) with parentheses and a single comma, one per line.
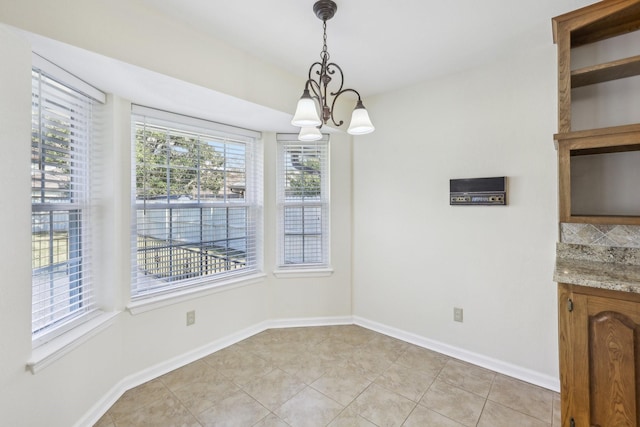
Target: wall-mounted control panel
(478,191)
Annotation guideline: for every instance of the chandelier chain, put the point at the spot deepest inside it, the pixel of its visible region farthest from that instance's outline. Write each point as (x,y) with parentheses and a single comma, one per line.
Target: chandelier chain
(325,51)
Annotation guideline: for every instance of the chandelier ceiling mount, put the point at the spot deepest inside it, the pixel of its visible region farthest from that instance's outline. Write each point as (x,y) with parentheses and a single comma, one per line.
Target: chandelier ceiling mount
(325,9)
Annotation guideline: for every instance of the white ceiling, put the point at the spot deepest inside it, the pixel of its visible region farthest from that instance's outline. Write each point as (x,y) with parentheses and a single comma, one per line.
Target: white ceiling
(381,45)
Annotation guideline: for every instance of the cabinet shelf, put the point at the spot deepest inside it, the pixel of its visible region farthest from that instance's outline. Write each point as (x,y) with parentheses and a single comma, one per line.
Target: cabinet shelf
(601,138)
(600,73)
(594,141)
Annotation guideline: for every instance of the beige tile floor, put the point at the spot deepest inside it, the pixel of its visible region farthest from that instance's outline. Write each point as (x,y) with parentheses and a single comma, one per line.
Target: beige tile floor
(336,376)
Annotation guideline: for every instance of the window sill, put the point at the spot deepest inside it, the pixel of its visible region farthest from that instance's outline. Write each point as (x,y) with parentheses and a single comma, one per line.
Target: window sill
(292,273)
(45,354)
(154,302)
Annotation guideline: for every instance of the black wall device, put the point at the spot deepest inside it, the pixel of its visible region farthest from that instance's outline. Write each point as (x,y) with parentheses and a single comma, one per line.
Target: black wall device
(478,191)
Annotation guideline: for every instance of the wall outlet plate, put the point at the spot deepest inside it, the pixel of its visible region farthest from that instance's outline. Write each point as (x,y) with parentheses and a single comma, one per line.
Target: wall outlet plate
(191,317)
(457,314)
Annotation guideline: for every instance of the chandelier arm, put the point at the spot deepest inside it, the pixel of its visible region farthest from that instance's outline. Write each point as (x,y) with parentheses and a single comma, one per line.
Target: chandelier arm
(334,65)
(349,90)
(335,98)
(315,87)
(316,90)
(319,64)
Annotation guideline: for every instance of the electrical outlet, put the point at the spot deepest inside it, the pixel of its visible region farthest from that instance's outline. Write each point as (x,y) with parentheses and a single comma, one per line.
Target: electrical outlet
(191,317)
(457,314)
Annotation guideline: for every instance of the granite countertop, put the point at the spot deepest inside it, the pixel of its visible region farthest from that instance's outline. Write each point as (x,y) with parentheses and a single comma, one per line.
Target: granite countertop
(601,267)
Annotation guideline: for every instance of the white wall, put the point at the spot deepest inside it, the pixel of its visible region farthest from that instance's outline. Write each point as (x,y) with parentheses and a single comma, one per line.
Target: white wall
(416,257)
(15,264)
(319,297)
(88,378)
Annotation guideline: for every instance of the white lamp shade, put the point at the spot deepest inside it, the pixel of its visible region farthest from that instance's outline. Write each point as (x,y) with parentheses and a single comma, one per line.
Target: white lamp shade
(306,114)
(309,133)
(360,122)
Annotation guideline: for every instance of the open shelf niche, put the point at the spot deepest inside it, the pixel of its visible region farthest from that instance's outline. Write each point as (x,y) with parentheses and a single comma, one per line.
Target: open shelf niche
(604,20)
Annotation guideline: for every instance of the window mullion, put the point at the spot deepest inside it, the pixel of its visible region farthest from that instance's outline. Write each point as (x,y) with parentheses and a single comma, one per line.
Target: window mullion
(304,234)
(198,172)
(167,145)
(41,150)
(201,229)
(170,243)
(224,174)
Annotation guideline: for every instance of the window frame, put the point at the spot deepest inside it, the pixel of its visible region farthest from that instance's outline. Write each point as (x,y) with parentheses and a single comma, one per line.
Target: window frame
(322,267)
(72,105)
(159,289)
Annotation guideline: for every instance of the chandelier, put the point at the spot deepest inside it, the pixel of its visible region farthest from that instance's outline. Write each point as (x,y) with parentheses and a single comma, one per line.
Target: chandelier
(316,92)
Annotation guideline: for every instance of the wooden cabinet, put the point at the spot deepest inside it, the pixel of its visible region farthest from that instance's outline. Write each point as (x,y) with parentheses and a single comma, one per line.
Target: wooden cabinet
(599,357)
(599,329)
(592,24)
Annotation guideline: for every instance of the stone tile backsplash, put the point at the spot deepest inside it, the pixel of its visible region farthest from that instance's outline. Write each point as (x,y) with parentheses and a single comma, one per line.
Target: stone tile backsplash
(624,236)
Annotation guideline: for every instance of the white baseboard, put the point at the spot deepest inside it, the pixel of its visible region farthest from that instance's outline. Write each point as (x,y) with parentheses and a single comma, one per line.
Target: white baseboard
(527,375)
(518,372)
(311,321)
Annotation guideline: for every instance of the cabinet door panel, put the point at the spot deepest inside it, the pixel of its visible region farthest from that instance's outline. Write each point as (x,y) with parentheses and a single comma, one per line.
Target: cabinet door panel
(612,369)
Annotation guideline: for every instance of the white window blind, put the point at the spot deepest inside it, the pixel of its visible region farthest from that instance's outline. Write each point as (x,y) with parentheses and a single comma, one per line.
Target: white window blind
(60,200)
(303,202)
(198,200)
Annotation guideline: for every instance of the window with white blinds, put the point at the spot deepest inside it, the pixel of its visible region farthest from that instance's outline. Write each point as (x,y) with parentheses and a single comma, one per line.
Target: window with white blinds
(198,198)
(60,206)
(303,202)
